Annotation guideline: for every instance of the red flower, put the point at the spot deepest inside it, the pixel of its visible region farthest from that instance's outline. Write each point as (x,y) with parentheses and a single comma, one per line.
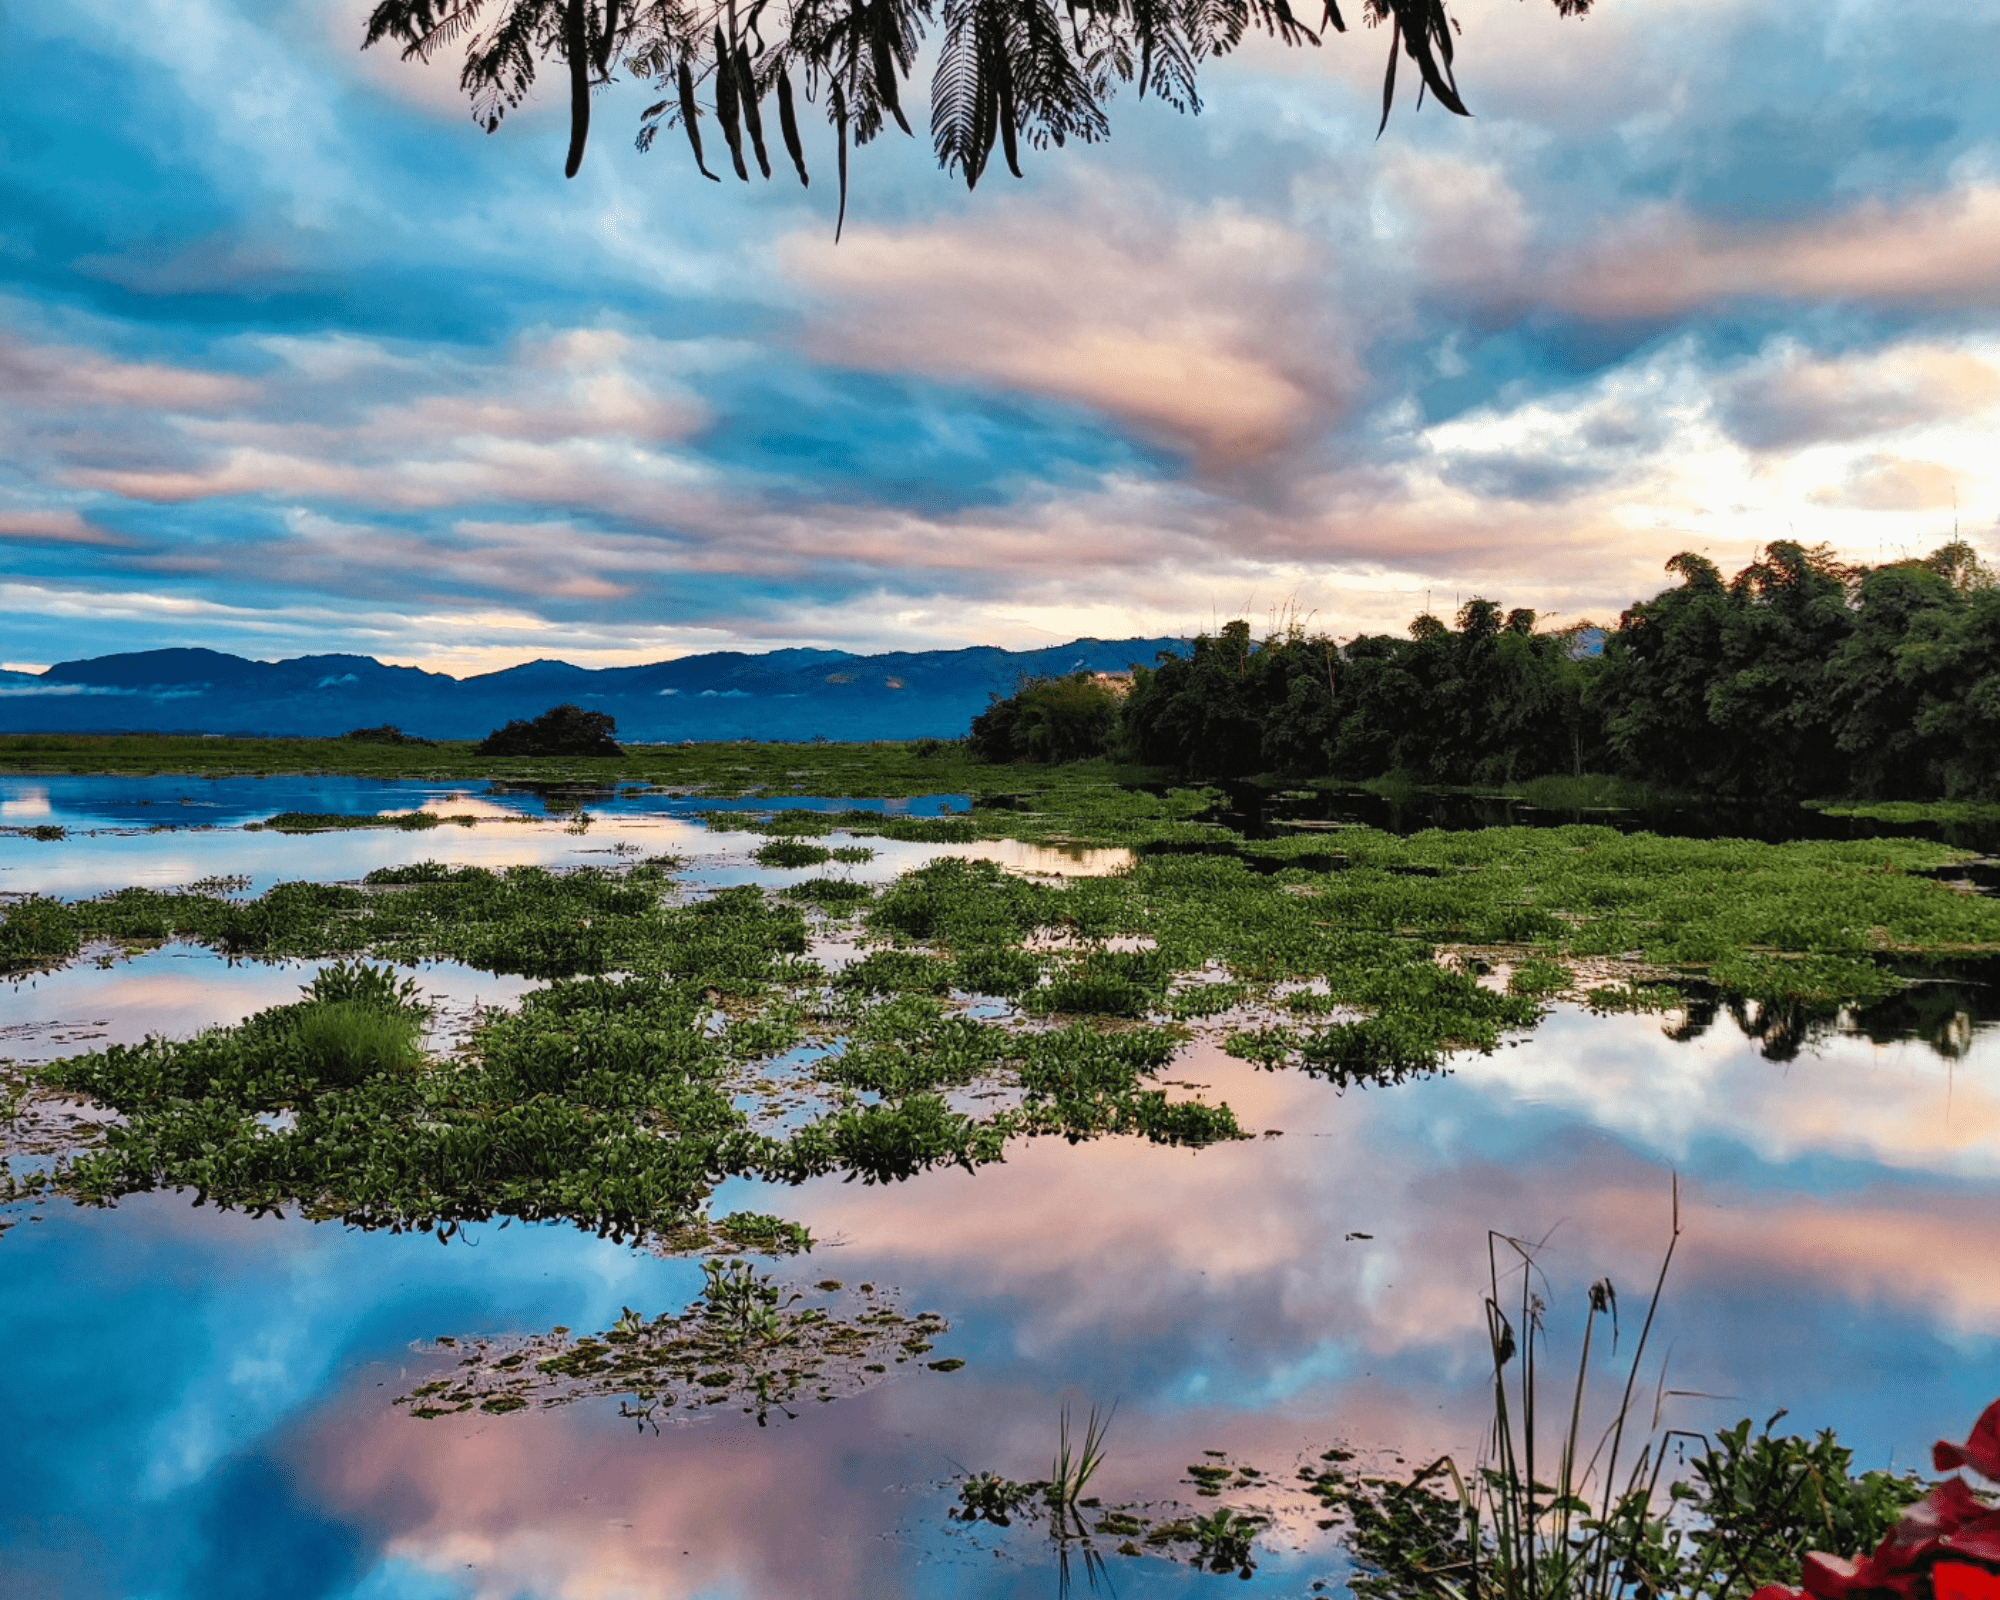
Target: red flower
(1981,1452)
(1953,1580)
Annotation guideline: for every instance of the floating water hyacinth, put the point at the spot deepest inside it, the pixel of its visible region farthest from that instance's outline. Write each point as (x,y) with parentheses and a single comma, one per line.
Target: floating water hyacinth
(745,1341)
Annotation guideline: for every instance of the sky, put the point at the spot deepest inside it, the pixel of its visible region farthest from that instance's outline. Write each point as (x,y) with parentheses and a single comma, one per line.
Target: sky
(295,358)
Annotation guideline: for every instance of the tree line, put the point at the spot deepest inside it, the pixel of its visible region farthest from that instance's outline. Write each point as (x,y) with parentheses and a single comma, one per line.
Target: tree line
(1799,676)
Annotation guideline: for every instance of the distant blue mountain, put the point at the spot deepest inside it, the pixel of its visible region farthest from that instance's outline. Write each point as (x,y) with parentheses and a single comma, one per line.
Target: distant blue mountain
(782,694)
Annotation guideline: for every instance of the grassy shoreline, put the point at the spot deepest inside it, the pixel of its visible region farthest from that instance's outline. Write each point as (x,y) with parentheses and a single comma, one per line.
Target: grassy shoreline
(882,769)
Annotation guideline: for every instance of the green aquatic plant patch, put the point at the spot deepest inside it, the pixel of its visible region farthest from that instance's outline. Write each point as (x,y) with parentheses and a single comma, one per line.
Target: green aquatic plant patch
(1910,811)
(746,1342)
(611,1097)
(886,768)
(608,1098)
(37,933)
(335,822)
(790,853)
(1081,1526)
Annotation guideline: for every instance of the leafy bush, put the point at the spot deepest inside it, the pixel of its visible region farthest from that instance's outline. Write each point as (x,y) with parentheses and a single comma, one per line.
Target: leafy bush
(791,853)
(388,733)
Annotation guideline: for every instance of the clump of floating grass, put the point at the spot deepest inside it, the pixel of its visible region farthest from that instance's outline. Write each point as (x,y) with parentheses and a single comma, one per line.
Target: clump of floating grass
(333,822)
(746,1342)
(1105,983)
(836,895)
(1908,812)
(344,1044)
(1538,976)
(791,853)
(763,1233)
(790,824)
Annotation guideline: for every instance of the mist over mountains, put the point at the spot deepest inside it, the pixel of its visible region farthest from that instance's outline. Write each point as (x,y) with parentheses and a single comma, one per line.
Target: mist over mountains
(781,694)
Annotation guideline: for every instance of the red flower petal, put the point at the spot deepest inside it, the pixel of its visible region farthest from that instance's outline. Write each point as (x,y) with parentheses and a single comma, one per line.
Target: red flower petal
(1977,1543)
(1836,1577)
(1955,1580)
(1981,1452)
(1777,1591)
(1949,1509)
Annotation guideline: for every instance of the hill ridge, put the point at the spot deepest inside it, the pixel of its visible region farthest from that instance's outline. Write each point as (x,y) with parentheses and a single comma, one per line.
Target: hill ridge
(783,694)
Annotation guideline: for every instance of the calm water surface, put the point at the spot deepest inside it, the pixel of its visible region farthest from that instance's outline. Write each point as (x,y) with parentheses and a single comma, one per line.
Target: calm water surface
(197,1403)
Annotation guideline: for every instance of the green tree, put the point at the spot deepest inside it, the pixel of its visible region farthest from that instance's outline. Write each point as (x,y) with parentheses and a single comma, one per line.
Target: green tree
(1660,663)
(1952,658)
(1888,674)
(1201,712)
(1789,616)
(1049,719)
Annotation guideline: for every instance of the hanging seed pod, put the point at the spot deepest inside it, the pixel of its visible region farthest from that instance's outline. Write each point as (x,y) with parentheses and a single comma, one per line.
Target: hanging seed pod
(753,116)
(691,120)
(788,125)
(725,104)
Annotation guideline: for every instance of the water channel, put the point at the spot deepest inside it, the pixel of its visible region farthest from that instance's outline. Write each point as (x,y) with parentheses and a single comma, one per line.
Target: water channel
(198,1403)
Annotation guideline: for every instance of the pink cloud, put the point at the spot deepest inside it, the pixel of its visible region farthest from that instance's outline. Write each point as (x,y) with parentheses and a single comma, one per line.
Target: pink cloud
(1936,251)
(1200,327)
(56,527)
(38,376)
(1797,398)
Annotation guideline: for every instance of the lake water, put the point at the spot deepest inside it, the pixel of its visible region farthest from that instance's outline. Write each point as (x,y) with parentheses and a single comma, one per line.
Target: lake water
(198,1404)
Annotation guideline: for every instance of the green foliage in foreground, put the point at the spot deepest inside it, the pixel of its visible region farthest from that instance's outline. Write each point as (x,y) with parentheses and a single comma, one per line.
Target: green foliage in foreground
(1747,1512)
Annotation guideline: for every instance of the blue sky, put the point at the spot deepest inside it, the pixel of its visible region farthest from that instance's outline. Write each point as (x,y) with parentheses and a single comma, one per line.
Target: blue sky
(293,357)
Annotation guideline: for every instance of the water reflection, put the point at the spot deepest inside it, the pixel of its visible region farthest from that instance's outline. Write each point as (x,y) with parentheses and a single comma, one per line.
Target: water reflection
(1840,1257)
(200,1404)
(509,828)
(1259,812)
(179,800)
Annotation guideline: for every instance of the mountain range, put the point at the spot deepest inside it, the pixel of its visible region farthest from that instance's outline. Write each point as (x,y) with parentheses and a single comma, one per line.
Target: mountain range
(780,694)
